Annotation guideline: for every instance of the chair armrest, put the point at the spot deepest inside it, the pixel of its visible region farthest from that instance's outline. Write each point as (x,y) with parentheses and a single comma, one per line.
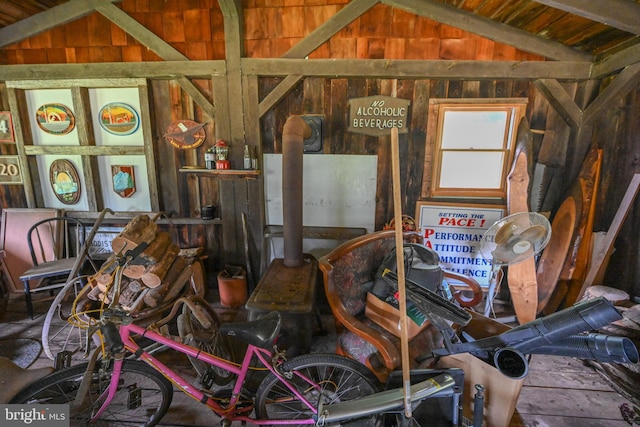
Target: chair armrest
(383,344)
(471,283)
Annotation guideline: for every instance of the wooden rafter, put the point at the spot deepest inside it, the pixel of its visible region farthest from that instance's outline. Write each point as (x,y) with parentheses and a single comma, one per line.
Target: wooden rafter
(621,14)
(492,30)
(48,19)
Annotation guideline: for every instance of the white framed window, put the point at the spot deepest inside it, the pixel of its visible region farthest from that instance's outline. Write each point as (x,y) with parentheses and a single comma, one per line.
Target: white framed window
(473,146)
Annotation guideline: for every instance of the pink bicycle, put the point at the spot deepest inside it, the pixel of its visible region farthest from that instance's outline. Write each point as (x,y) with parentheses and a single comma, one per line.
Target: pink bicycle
(130,386)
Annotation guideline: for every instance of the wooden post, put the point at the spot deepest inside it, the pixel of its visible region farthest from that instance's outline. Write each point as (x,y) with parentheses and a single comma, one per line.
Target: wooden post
(402,295)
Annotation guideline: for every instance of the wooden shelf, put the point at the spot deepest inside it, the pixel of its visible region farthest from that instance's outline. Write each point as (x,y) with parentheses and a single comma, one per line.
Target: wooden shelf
(224,173)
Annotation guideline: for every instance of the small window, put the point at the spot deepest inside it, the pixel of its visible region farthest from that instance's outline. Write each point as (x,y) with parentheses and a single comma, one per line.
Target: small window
(473,148)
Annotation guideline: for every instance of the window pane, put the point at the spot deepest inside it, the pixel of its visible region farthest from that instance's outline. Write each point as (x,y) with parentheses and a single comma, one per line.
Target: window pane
(471,169)
(474,129)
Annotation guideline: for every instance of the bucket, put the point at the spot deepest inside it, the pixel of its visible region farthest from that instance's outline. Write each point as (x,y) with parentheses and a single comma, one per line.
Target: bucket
(232,286)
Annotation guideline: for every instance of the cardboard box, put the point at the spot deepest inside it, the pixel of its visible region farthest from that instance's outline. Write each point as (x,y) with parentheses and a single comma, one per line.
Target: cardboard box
(501,392)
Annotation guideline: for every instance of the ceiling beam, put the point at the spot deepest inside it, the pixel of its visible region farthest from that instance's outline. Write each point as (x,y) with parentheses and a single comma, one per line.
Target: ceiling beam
(492,30)
(621,14)
(50,18)
(616,61)
(114,70)
(432,69)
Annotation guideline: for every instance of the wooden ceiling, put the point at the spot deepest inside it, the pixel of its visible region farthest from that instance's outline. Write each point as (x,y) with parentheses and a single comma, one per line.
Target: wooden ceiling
(570,30)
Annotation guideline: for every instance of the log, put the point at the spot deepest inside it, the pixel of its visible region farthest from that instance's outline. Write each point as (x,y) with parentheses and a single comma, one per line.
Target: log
(155,274)
(140,229)
(156,250)
(156,295)
(177,285)
(134,271)
(130,293)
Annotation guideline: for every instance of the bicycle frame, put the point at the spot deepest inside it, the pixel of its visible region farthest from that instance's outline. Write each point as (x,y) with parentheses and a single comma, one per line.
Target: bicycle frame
(234,414)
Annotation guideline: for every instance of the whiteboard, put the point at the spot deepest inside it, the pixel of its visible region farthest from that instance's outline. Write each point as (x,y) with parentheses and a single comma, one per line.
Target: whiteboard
(337,190)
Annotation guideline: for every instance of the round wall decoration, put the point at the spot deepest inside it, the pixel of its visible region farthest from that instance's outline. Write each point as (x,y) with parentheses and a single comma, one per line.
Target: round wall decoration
(65,181)
(55,119)
(185,134)
(119,118)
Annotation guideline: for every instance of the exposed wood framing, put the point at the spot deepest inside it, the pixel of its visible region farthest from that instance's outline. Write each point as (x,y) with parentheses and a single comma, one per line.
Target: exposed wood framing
(615,62)
(436,69)
(48,19)
(324,32)
(113,70)
(628,79)
(492,30)
(139,32)
(560,100)
(621,14)
(278,93)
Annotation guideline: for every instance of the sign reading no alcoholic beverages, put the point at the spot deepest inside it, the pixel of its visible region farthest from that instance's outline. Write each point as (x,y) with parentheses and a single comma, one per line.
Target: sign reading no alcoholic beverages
(376,115)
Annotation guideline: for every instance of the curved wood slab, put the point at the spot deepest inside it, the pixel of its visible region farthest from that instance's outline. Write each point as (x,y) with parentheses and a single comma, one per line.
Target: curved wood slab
(552,258)
(575,265)
(521,277)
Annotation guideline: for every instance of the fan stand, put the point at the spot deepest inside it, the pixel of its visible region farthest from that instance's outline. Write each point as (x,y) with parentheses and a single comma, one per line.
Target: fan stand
(492,290)
(509,241)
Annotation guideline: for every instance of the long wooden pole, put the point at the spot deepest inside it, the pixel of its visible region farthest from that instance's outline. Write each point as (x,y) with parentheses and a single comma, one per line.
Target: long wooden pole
(402,295)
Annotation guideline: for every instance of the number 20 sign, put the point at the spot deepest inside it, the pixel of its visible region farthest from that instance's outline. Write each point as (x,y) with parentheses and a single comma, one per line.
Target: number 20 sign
(10,172)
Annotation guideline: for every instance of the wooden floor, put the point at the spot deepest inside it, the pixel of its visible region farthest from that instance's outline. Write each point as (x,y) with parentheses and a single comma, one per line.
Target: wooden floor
(557,392)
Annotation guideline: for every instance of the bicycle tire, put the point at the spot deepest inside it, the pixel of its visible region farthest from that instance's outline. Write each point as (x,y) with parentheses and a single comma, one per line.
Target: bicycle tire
(205,338)
(64,336)
(342,379)
(127,408)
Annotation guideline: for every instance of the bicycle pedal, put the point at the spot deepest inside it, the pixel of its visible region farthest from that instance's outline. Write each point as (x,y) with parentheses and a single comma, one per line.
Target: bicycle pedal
(62,360)
(207,379)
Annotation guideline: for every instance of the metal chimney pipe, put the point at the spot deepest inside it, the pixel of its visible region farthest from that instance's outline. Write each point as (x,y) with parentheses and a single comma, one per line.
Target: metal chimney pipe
(294,132)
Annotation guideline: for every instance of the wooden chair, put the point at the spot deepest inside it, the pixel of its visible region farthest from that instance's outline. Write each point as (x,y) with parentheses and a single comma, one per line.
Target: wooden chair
(348,273)
(53,244)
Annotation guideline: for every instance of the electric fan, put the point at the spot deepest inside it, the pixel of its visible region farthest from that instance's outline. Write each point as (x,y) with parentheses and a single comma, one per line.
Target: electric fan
(510,240)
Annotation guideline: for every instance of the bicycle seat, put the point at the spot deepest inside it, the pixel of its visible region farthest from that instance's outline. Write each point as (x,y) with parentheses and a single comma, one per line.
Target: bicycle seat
(15,378)
(261,332)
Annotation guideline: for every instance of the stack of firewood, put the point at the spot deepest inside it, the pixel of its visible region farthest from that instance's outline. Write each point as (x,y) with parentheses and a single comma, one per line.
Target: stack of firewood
(157,275)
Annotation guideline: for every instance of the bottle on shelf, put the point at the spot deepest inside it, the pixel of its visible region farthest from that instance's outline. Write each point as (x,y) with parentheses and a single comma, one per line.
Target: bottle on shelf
(209,158)
(247,158)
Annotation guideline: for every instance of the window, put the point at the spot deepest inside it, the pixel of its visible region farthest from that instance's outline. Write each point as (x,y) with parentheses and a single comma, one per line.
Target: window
(473,147)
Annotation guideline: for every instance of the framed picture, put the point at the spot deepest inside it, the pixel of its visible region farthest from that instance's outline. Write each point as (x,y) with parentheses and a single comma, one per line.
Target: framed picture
(455,231)
(6,127)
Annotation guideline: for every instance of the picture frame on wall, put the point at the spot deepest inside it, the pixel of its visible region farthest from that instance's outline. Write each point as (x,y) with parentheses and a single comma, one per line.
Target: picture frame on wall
(6,127)
(454,231)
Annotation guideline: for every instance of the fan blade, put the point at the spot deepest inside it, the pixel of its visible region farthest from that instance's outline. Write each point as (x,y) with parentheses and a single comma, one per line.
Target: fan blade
(535,234)
(504,234)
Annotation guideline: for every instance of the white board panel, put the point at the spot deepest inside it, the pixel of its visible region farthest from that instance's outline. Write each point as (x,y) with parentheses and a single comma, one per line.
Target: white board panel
(337,191)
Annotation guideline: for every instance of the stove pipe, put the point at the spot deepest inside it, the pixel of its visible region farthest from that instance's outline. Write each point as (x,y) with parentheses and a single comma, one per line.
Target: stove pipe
(294,132)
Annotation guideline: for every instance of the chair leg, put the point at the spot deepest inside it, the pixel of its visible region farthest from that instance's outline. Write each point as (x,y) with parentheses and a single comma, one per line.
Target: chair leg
(27,298)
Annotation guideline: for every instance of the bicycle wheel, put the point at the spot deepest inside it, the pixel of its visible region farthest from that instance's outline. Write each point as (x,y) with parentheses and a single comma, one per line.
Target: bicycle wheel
(340,379)
(204,334)
(58,333)
(142,398)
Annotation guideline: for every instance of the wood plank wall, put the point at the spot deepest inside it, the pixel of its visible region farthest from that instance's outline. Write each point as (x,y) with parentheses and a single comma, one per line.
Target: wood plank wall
(271,27)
